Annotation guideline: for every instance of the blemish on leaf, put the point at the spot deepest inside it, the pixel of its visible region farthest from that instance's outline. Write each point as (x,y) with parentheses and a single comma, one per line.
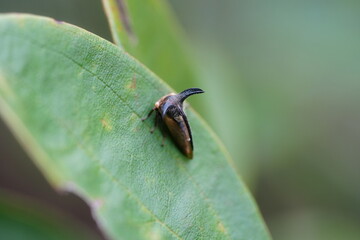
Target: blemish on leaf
(81,72)
(106,124)
(97,203)
(154,235)
(171,194)
(58,21)
(21,22)
(221,227)
(150,180)
(132,84)
(133,117)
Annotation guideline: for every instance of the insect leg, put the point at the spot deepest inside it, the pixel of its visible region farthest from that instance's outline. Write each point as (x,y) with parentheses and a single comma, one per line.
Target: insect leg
(156,122)
(163,139)
(151,111)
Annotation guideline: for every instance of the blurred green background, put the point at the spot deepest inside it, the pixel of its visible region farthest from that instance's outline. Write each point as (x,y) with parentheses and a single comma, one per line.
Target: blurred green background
(282,82)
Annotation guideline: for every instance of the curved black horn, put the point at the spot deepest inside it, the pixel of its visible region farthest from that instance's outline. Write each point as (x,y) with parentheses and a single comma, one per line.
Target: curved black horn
(188,92)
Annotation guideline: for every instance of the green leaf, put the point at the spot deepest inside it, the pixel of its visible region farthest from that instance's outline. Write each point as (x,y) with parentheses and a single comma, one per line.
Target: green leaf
(75,102)
(23,218)
(153,26)
(112,10)
(148,31)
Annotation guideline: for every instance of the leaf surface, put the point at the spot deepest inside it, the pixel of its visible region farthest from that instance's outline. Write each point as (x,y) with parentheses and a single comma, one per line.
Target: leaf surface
(75,101)
(148,30)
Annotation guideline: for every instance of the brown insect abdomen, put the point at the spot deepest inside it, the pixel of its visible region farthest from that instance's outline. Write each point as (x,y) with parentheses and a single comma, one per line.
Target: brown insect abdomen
(180,134)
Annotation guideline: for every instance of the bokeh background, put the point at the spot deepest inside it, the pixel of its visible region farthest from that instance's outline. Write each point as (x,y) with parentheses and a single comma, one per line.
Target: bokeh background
(282,81)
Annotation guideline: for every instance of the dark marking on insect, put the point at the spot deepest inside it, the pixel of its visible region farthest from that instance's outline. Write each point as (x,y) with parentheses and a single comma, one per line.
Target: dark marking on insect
(169,109)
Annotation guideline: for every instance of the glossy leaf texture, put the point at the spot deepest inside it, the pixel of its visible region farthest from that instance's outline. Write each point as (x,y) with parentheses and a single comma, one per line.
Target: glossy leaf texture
(75,102)
(148,31)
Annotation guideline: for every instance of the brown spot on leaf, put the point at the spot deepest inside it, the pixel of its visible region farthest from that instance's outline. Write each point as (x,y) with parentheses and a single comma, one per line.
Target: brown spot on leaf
(105,124)
(133,82)
(221,227)
(58,21)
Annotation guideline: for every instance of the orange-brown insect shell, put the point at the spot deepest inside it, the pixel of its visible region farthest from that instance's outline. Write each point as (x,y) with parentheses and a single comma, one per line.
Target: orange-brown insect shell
(170,109)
